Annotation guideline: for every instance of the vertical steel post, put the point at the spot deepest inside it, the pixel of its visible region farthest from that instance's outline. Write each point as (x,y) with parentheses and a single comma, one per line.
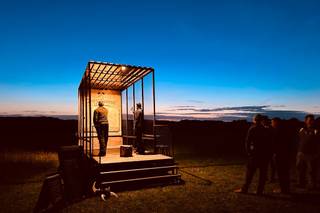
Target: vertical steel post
(121,123)
(154,109)
(79,104)
(81,116)
(86,116)
(134,99)
(90,126)
(142,104)
(127,116)
(134,107)
(142,94)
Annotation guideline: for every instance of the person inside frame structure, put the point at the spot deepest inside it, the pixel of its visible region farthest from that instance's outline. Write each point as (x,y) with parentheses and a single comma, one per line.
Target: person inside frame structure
(138,129)
(100,121)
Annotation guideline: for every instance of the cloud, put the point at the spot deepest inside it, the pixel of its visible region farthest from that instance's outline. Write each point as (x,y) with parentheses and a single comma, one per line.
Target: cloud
(196,101)
(239,108)
(278,106)
(39,112)
(183,106)
(229,113)
(32,113)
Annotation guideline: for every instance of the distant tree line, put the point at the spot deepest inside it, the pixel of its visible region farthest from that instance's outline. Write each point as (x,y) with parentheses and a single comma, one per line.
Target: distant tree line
(36,133)
(188,136)
(218,137)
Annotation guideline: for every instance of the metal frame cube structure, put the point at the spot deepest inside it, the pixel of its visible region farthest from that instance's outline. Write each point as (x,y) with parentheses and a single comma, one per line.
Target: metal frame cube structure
(102,77)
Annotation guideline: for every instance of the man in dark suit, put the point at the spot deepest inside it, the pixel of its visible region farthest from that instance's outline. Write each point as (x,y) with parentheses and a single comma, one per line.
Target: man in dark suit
(308,153)
(138,129)
(281,150)
(258,148)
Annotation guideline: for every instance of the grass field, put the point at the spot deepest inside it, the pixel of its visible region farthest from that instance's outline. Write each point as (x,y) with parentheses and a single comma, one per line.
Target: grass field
(209,185)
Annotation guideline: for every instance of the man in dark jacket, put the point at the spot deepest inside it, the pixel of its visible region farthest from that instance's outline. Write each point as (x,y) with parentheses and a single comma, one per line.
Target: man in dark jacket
(308,152)
(138,124)
(258,147)
(281,151)
(266,123)
(100,121)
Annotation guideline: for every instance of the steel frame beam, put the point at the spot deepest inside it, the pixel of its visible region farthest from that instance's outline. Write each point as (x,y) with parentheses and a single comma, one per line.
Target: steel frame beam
(96,79)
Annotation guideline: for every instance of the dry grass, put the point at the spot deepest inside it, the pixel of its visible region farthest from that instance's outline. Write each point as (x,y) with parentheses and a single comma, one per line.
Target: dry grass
(197,196)
(194,196)
(31,157)
(22,173)
(26,166)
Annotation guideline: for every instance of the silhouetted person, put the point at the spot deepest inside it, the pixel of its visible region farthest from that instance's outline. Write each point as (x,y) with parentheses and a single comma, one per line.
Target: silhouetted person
(100,120)
(308,153)
(273,169)
(138,129)
(281,152)
(266,123)
(258,147)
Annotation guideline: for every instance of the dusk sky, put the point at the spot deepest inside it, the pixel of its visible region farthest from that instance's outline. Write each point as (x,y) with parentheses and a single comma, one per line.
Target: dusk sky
(210,57)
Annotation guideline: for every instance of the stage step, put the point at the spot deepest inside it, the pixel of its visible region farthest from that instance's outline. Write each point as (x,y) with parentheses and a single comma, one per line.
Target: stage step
(135,175)
(140,169)
(136,165)
(143,181)
(106,176)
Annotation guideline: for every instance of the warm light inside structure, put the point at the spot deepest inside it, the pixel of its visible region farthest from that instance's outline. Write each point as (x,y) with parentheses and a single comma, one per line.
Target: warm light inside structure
(116,86)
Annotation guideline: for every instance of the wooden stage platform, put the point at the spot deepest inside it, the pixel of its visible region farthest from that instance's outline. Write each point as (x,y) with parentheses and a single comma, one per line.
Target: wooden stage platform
(136,171)
(111,158)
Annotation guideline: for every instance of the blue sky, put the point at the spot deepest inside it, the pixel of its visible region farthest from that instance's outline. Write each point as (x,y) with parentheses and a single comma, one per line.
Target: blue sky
(207,54)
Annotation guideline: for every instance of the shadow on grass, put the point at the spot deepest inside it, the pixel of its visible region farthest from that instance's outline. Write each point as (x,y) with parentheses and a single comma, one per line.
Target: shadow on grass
(296,197)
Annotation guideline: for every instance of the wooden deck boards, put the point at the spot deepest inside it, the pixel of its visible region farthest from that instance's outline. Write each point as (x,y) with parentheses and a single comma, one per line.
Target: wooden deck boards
(113,157)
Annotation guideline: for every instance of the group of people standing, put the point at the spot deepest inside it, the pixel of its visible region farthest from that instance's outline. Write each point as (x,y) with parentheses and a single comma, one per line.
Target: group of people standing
(267,143)
(101,123)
